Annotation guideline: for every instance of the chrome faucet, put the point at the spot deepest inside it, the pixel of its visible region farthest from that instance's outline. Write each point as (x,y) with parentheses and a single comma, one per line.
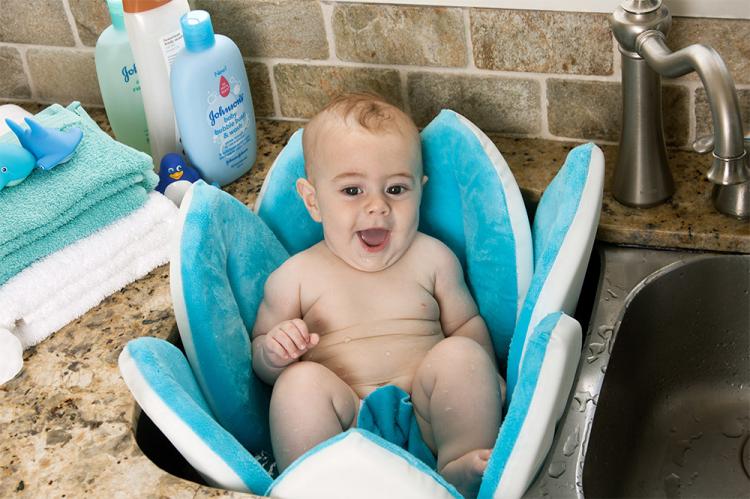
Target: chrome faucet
(642,177)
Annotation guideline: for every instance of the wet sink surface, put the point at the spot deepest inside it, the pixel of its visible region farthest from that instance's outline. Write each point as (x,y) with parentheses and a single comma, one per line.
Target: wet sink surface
(673,413)
(661,404)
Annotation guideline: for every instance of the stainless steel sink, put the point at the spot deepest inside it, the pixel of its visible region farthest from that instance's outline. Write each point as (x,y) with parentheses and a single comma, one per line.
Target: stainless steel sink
(661,407)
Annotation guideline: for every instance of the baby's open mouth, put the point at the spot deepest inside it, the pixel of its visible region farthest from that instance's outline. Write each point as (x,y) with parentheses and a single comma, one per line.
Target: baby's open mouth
(374,239)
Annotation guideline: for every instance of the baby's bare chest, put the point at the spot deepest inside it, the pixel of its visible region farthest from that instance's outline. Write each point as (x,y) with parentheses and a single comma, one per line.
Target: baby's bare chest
(338,300)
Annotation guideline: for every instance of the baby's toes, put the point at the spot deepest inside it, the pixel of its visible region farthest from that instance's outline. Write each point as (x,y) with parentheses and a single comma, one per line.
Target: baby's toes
(479,463)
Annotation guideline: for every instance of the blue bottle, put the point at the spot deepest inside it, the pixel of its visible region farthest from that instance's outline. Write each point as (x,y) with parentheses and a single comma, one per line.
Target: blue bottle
(212,102)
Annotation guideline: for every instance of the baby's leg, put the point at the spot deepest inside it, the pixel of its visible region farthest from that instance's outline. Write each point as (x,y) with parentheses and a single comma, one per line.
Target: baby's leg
(457,400)
(309,404)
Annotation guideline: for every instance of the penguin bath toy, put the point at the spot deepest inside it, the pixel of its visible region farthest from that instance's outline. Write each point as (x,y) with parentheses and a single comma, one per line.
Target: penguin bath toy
(175,177)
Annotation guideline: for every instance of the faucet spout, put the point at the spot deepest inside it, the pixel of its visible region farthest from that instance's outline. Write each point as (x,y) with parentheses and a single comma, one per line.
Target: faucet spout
(729,165)
(642,177)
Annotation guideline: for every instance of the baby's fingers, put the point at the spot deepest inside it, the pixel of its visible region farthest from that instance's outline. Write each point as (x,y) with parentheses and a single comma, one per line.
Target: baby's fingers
(290,349)
(274,348)
(297,331)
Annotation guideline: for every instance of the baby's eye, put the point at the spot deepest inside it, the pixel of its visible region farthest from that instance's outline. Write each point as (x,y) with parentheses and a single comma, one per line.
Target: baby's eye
(170,171)
(4,169)
(396,190)
(179,168)
(351,191)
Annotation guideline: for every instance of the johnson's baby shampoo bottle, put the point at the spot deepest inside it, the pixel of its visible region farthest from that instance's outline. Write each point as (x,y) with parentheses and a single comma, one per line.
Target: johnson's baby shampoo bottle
(212,102)
(119,83)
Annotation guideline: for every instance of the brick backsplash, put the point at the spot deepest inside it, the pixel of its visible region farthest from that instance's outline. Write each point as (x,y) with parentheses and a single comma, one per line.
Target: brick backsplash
(553,75)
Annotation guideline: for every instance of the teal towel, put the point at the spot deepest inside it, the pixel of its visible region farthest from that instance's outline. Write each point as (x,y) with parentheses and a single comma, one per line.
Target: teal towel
(103,181)
(388,412)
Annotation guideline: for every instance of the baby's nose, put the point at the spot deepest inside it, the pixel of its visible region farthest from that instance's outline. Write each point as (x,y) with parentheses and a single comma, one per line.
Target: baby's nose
(377,206)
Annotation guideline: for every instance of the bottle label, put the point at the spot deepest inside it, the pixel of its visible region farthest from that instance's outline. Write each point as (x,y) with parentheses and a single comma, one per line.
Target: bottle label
(130,78)
(229,119)
(171,44)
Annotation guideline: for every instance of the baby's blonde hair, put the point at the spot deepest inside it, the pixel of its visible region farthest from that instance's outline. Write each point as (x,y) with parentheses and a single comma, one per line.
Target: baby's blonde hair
(365,110)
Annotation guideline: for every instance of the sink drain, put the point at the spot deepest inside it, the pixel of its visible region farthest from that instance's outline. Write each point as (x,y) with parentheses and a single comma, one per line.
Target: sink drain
(746,456)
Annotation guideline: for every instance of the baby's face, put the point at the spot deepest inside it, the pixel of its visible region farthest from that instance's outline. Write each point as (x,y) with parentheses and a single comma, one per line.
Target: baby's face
(365,188)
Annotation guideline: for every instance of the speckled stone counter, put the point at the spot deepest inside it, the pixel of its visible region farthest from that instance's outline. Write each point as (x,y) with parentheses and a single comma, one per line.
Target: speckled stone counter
(66,422)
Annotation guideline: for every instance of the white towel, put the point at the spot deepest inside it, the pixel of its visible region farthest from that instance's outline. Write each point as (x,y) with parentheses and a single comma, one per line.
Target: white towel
(66,284)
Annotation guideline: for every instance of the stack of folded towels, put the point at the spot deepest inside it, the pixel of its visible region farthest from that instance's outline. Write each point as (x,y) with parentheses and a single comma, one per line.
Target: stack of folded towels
(71,236)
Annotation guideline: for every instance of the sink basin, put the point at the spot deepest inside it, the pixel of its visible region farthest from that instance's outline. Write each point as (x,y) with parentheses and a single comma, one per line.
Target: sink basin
(661,403)
(673,413)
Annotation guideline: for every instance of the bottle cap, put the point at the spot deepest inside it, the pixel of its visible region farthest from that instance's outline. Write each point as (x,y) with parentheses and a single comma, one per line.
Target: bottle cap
(136,6)
(197,30)
(116,13)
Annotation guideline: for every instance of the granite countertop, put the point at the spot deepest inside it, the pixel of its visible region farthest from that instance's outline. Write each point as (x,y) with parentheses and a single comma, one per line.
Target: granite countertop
(66,422)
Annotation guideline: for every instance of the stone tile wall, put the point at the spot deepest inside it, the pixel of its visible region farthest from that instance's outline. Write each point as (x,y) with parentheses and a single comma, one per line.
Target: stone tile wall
(552,75)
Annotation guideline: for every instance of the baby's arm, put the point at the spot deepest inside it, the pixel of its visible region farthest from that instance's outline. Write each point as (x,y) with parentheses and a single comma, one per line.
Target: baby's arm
(458,312)
(280,336)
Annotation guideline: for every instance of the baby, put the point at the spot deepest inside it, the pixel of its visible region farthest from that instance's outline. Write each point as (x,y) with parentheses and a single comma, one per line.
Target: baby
(375,303)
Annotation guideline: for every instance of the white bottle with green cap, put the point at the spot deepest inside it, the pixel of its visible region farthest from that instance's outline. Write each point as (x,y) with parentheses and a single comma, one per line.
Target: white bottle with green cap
(119,83)
(212,102)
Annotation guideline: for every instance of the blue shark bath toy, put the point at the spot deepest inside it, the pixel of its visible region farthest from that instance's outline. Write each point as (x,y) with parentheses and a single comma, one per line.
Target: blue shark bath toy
(50,146)
(175,177)
(16,163)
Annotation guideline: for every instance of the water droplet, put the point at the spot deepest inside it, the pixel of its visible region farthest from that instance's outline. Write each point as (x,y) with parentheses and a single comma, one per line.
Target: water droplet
(596,348)
(604,332)
(732,429)
(556,469)
(672,485)
(571,443)
(448,409)
(387,354)
(612,293)
(582,398)
(347,339)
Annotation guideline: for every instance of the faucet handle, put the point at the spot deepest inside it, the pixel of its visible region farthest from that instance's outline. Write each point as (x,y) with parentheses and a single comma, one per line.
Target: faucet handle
(704,145)
(640,6)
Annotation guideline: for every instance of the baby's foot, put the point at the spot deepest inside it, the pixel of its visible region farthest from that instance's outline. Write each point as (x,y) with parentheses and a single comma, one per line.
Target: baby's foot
(465,473)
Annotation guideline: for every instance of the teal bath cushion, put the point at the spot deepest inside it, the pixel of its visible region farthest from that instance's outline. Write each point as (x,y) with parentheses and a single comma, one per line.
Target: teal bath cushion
(564,229)
(547,375)
(163,384)
(224,253)
(218,267)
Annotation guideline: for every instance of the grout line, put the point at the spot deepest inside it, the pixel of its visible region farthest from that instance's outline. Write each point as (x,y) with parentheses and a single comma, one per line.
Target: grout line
(469,42)
(72,23)
(327,8)
(544,102)
(82,48)
(27,72)
(403,76)
(274,91)
(461,71)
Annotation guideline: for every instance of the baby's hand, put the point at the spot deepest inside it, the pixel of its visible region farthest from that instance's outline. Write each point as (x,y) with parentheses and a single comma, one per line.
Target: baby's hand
(287,341)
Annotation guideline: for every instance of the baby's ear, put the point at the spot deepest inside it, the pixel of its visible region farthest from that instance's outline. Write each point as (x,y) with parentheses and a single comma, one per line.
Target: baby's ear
(307,192)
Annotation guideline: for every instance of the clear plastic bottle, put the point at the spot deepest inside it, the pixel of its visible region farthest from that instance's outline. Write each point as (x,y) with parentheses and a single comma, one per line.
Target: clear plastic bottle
(212,102)
(118,82)
(153,28)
